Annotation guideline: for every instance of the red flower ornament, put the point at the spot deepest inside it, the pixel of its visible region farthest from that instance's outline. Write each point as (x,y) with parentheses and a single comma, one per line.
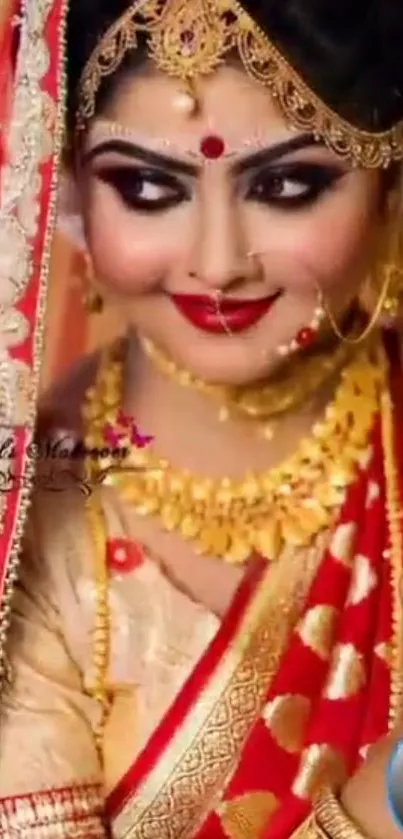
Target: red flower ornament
(123,555)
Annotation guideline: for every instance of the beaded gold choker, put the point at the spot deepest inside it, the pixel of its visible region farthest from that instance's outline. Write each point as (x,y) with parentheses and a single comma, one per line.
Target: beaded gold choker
(287,505)
(189,39)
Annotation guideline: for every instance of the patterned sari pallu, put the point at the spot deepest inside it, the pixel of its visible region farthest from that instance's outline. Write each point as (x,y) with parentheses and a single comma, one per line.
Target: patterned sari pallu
(299,681)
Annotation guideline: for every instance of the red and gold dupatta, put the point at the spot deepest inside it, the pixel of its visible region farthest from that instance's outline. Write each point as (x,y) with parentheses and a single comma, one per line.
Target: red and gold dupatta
(31,114)
(300,680)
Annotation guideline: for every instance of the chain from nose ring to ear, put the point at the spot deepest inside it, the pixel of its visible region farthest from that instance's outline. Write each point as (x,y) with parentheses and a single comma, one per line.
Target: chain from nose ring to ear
(217,295)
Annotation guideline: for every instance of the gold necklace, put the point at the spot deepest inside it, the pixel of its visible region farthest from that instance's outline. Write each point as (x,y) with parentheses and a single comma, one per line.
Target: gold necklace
(289,504)
(267,400)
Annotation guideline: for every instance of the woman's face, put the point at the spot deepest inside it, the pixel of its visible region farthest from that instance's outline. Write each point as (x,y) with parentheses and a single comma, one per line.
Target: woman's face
(267,221)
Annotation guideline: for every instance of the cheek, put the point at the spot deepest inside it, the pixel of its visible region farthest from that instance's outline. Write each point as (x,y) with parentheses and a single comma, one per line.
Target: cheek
(330,244)
(338,244)
(130,252)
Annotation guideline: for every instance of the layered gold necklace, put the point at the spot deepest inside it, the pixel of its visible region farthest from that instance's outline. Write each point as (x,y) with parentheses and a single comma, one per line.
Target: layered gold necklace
(228,518)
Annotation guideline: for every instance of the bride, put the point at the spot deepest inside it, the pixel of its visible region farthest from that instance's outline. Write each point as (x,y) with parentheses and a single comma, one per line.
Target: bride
(209,645)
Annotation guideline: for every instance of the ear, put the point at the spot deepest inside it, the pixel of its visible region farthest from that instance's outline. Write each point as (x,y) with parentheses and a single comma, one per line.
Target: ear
(69,216)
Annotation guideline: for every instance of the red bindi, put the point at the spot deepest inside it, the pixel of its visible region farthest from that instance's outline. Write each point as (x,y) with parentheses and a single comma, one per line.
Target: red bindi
(212,147)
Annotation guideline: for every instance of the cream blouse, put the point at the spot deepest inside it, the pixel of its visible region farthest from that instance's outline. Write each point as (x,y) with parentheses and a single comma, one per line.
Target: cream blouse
(157,634)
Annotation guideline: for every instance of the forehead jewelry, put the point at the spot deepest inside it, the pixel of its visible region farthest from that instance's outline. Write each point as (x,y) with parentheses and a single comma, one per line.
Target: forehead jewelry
(187,101)
(212,145)
(189,39)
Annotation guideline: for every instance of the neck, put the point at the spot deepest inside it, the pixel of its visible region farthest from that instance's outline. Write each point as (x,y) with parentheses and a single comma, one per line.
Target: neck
(187,431)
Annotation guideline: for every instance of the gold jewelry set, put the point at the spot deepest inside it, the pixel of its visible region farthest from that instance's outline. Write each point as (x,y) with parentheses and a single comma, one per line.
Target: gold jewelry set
(188,40)
(230,518)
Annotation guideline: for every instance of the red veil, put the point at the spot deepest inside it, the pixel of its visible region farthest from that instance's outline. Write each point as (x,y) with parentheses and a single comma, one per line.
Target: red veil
(31,119)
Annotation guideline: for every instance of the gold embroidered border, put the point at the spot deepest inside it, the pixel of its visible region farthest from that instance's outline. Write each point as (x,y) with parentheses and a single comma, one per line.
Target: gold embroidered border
(36,131)
(395,525)
(54,814)
(196,766)
(32,139)
(309,830)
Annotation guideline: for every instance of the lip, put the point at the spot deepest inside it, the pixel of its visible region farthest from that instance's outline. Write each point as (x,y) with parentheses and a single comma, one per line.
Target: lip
(231,316)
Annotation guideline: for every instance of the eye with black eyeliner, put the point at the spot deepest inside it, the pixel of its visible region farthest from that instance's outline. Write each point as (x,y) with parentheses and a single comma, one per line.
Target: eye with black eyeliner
(292,185)
(144,189)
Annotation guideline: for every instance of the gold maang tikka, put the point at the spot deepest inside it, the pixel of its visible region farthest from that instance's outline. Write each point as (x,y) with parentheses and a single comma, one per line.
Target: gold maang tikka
(189,39)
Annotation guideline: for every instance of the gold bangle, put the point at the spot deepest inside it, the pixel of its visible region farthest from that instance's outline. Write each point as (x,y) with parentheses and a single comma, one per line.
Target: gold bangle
(310,830)
(333,821)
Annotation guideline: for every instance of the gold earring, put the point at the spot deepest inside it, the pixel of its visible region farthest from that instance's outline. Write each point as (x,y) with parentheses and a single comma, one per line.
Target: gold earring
(92,300)
(393,301)
(394,298)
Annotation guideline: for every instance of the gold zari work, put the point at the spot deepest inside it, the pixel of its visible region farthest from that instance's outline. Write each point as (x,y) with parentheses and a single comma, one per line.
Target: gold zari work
(320,764)
(74,811)
(331,820)
(247,816)
(286,505)
(287,718)
(189,39)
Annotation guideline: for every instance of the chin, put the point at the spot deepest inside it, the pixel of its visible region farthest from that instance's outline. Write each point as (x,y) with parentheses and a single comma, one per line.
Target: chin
(222,364)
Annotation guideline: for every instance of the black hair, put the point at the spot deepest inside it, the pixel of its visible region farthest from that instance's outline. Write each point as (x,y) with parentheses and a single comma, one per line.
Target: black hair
(87,21)
(350,52)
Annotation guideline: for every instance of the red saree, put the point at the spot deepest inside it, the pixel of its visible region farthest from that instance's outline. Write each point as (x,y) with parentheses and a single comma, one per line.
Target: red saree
(300,680)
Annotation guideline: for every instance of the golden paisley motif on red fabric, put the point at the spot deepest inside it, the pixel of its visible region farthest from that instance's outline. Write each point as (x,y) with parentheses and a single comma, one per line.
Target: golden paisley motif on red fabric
(373,493)
(385,652)
(287,718)
(320,766)
(363,581)
(246,817)
(317,629)
(343,542)
(347,673)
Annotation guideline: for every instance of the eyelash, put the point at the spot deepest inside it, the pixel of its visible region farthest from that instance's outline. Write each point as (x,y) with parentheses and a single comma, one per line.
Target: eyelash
(126,181)
(263,188)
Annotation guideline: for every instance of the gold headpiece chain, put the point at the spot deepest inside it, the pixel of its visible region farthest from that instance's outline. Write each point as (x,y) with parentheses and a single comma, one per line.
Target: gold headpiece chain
(188,39)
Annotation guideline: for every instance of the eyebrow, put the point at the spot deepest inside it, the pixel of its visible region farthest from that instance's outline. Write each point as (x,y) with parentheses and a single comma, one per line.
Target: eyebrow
(163,161)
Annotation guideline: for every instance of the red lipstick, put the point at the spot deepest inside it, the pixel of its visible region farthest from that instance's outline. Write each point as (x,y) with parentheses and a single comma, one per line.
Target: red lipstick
(225,315)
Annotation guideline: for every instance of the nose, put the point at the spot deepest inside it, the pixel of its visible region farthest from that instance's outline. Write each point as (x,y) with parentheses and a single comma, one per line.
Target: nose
(220,258)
